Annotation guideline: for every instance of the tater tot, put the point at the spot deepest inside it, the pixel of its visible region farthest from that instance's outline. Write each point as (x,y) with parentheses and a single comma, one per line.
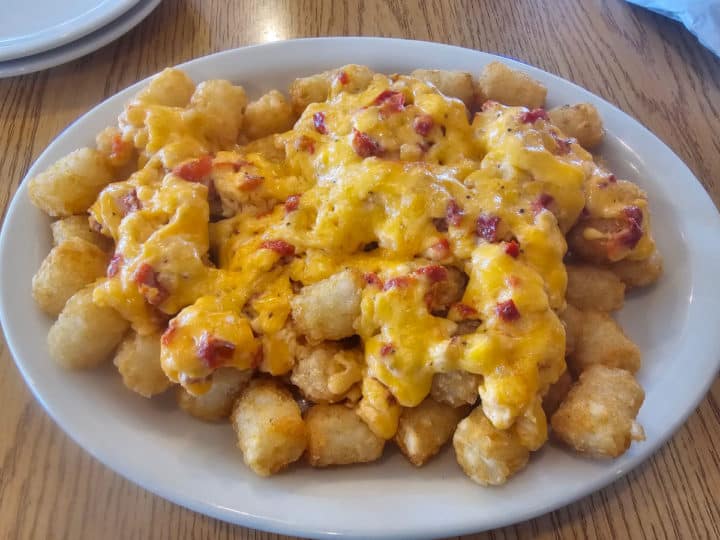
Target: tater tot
(71,184)
(581,121)
(337,436)
(456,388)
(328,309)
(221,106)
(598,415)
(84,334)
(270,430)
(325,374)
(511,87)
(602,341)
(424,429)
(590,287)
(78,227)
(638,273)
(572,318)
(216,403)
(378,408)
(271,113)
(315,88)
(489,456)
(457,84)
(171,87)
(138,361)
(531,426)
(556,393)
(116,150)
(68,268)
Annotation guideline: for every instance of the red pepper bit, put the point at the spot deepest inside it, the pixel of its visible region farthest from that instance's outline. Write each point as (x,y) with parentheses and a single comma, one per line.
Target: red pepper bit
(305,144)
(441,248)
(168,334)
(319,121)
(116,263)
(149,286)
(390,102)
(454,213)
(195,170)
(292,203)
(423,124)
(612,179)
(129,203)
(281,247)
(343,77)
(486,227)
(542,202)
(251,181)
(214,351)
(530,117)
(118,147)
(632,235)
(371,278)
(364,145)
(399,282)
(507,311)
(465,311)
(512,248)
(387,348)
(434,272)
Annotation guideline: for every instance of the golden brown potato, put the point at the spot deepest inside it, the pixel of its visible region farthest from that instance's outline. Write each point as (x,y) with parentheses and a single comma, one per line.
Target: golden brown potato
(217,403)
(337,436)
(271,113)
(71,184)
(486,454)
(456,84)
(171,87)
(511,87)
(138,361)
(378,408)
(67,269)
(598,415)
(221,106)
(315,88)
(325,374)
(639,273)
(572,318)
(424,429)
(84,334)
(328,309)
(456,388)
(445,292)
(531,426)
(602,341)
(78,227)
(270,429)
(556,394)
(590,287)
(581,121)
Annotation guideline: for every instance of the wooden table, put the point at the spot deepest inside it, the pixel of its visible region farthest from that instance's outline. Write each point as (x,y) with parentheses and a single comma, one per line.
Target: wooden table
(648,66)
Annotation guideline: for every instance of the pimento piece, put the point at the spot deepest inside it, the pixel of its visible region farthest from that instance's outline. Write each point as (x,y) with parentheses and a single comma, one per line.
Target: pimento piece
(512,248)
(440,249)
(292,203)
(305,144)
(115,264)
(541,203)
(464,311)
(434,272)
(195,170)
(281,247)
(387,348)
(343,77)
(319,121)
(149,286)
(213,351)
(129,203)
(423,124)
(364,145)
(486,227)
(251,181)
(390,102)
(454,213)
(507,311)
(530,117)
(168,334)
(371,278)
(632,235)
(119,149)
(399,282)
(612,179)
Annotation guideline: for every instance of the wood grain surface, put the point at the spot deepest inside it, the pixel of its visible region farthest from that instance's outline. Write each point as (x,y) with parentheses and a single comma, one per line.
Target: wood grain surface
(648,66)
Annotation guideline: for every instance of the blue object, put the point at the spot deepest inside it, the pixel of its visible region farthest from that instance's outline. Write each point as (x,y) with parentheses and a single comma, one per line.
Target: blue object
(701,17)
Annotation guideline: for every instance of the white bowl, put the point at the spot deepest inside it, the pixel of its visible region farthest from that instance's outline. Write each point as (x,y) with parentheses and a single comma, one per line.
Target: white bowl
(197,465)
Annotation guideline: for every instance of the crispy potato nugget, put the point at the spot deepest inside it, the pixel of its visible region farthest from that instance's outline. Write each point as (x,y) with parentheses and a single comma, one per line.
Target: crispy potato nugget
(378,408)
(489,456)
(457,84)
(78,227)
(67,269)
(71,184)
(337,436)
(598,415)
(639,273)
(315,88)
(271,113)
(216,403)
(328,309)
(424,429)
(456,388)
(590,287)
(572,318)
(138,361)
(171,87)
(581,121)
(85,334)
(325,374)
(556,394)
(531,426)
(270,429)
(221,105)
(116,150)
(511,87)
(602,341)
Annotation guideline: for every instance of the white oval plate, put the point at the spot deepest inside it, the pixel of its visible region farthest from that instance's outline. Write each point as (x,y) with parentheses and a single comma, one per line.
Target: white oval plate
(197,465)
(82,46)
(31,26)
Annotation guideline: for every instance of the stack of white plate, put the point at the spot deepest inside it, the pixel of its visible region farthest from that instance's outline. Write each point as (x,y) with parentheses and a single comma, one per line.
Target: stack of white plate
(39,34)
